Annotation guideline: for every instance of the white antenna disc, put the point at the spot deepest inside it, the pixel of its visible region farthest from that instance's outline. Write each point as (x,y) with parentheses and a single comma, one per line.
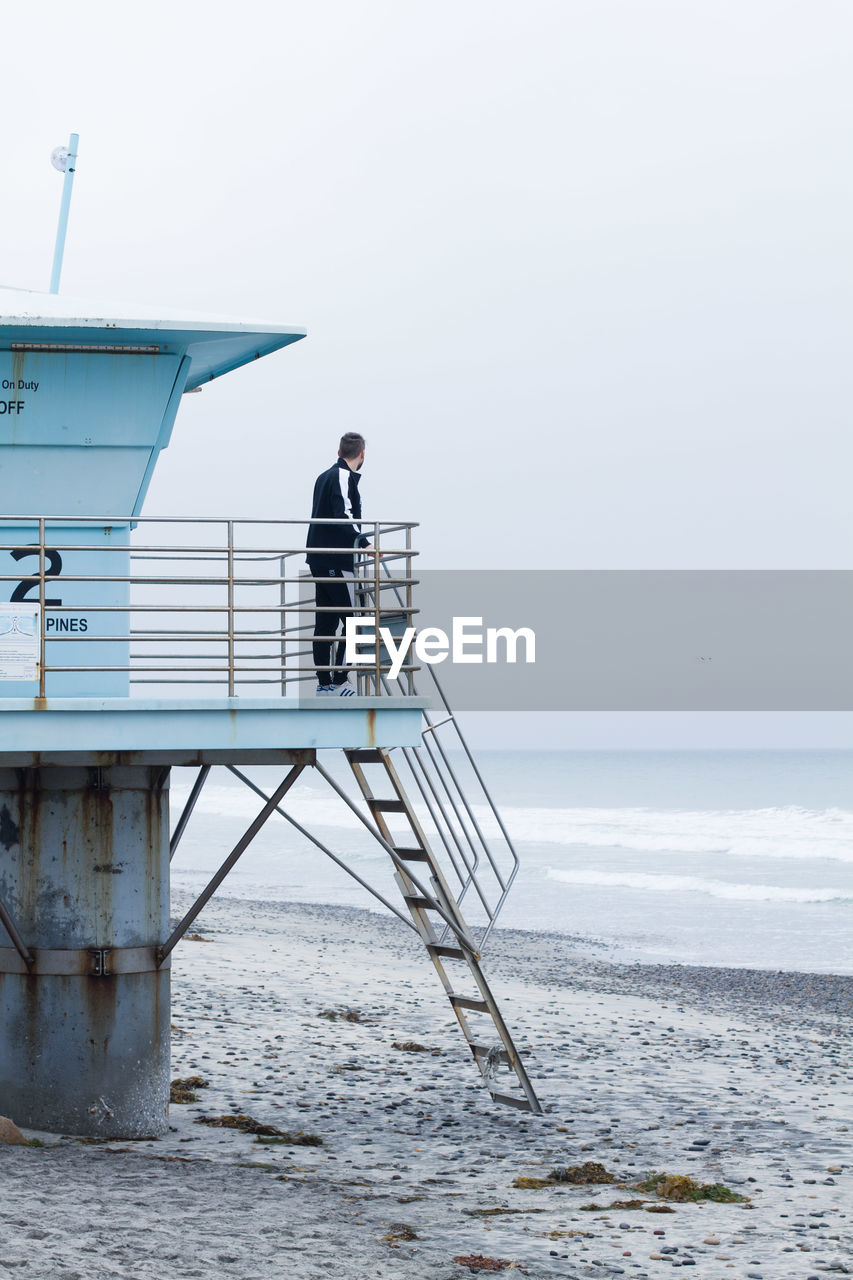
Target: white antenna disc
(59,158)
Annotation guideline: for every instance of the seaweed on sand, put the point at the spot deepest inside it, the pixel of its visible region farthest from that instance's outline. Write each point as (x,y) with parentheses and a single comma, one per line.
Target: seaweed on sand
(591,1172)
(400,1231)
(679,1187)
(492,1213)
(268,1134)
(476,1262)
(285,1138)
(184,1091)
(412,1046)
(616,1204)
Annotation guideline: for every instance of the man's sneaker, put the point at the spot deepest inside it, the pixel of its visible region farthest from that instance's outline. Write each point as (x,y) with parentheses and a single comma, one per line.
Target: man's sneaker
(325,689)
(344,689)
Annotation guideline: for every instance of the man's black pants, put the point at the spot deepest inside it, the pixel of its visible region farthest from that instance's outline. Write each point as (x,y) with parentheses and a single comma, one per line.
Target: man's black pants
(338,598)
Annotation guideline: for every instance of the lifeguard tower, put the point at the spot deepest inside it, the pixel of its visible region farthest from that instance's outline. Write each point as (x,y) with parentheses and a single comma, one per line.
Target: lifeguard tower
(132,646)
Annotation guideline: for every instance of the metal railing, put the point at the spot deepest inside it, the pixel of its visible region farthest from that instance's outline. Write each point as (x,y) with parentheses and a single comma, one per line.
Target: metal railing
(190,603)
(444,773)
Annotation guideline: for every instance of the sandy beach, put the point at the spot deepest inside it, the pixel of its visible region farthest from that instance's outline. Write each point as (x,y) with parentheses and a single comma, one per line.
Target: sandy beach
(290,1013)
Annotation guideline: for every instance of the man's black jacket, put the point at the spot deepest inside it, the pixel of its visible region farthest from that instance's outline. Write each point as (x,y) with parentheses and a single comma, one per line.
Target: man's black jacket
(336,497)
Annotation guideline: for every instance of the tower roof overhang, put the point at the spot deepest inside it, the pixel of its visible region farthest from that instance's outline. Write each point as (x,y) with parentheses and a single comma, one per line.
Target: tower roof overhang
(215,344)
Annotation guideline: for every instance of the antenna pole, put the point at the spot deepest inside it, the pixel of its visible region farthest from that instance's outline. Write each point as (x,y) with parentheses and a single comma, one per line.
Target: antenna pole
(70,167)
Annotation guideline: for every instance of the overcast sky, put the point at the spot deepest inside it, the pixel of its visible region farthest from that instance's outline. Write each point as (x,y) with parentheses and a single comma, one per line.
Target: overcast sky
(581,271)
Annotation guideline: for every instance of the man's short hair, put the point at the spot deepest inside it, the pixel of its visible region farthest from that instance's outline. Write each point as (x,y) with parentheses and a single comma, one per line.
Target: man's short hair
(352,444)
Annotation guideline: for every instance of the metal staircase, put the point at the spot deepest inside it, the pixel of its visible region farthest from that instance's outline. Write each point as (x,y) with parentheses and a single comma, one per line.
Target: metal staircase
(430,810)
(436,915)
(481,865)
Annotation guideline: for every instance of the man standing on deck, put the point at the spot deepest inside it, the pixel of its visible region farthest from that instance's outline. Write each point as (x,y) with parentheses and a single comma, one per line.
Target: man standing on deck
(336,497)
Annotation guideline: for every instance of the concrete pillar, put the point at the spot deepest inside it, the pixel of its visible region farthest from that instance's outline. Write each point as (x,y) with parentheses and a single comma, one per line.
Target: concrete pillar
(84,873)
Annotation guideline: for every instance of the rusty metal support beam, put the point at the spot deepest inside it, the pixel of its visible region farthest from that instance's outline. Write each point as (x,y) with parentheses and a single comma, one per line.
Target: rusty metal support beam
(240,847)
(84,1047)
(188,808)
(328,852)
(12,930)
(82,962)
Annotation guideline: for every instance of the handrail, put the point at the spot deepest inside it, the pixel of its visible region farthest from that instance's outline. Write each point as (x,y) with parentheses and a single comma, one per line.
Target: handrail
(468,852)
(218,603)
(217,599)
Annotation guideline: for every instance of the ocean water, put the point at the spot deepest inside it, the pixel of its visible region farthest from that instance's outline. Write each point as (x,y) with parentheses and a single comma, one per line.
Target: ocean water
(734,858)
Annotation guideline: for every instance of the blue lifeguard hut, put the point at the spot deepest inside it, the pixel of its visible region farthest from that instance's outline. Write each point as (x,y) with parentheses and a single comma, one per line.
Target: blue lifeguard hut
(131,646)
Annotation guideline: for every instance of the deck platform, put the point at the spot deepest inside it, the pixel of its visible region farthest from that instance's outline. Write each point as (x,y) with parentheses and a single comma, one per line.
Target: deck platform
(198,731)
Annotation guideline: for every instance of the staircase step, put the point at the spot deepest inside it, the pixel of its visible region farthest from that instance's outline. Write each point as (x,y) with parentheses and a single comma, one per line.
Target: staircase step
(502,1050)
(449,953)
(510,1100)
(469,1002)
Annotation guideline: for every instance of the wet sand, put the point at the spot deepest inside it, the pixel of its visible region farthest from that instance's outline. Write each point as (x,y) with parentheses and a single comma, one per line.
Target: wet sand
(728,1076)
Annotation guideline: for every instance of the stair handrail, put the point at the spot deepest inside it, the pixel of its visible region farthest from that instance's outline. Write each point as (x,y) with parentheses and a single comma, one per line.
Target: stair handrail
(445,767)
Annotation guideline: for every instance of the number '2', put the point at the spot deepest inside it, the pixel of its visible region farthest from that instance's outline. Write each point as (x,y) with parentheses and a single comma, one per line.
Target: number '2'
(52,569)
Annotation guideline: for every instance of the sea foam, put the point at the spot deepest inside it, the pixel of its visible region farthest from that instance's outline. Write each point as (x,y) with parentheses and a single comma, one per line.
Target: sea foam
(788,831)
(695,884)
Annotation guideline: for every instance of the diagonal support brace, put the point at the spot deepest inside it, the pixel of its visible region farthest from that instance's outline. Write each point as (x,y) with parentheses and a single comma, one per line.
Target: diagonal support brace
(188,808)
(308,836)
(241,845)
(12,930)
